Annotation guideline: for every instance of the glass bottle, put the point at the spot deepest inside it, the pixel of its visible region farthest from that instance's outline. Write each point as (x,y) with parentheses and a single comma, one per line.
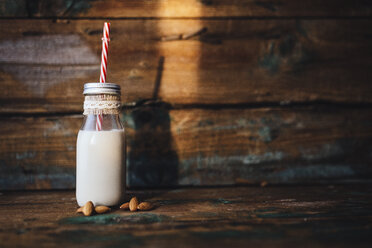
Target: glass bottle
(100,150)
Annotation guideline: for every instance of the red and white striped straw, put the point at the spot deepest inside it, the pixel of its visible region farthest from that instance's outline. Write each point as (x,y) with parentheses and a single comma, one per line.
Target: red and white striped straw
(105,43)
(102,79)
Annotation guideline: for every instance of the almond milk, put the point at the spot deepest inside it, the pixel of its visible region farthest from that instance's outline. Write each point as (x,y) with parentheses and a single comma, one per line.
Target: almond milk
(100,170)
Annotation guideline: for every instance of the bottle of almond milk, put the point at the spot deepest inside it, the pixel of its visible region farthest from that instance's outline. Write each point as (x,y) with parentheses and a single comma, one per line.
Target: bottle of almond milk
(100,154)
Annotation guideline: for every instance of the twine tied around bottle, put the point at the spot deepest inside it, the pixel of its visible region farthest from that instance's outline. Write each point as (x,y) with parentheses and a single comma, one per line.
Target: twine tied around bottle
(102,104)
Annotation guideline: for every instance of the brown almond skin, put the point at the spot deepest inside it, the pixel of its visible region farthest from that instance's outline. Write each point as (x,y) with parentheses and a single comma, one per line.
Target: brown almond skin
(263,184)
(79,210)
(144,206)
(133,204)
(102,209)
(88,208)
(125,206)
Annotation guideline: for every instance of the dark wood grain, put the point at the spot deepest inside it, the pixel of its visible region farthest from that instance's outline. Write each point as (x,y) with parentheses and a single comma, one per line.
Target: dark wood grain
(188,8)
(199,147)
(213,65)
(38,153)
(44,64)
(326,216)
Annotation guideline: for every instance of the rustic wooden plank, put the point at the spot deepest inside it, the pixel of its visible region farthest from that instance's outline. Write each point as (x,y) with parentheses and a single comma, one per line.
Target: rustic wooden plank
(199,147)
(229,146)
(326,216)
(38,153)
(186,8)
(44,64)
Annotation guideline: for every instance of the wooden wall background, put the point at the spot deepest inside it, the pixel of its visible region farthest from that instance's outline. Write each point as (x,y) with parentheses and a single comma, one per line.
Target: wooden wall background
(215,92)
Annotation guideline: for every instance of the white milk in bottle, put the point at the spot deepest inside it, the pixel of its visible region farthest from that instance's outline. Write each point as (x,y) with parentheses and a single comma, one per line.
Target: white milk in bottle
(100,155)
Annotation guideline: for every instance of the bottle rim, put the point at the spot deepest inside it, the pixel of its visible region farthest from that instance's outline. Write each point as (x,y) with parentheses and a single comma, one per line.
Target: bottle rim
(101,88)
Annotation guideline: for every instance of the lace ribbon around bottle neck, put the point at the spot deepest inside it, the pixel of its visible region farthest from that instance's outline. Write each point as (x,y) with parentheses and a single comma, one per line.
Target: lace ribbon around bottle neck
(102,104)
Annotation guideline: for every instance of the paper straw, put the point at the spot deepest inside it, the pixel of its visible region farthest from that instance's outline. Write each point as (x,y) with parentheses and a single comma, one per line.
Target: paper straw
(102,79)
(105,43)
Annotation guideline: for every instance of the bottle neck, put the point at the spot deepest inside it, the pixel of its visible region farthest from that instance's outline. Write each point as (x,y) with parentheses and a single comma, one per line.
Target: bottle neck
(109,122)
(101,112)
(99,104)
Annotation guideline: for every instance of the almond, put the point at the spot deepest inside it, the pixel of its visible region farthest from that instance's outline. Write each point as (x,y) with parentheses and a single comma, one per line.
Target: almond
(102,209)
(125,206)
(88,208)
(79,210)
(144,206)
(133,204)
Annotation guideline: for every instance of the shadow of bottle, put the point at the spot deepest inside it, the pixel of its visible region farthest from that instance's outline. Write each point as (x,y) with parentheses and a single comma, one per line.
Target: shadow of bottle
(151,160)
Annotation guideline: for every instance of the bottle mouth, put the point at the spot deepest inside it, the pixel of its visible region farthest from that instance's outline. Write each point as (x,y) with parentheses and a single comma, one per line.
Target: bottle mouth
(101,88)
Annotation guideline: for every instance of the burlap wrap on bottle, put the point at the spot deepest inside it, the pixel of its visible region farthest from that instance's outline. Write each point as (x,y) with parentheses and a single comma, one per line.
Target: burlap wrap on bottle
(102,104)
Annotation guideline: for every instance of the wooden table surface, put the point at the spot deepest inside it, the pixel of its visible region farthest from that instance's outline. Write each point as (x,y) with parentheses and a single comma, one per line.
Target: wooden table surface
(279,216)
